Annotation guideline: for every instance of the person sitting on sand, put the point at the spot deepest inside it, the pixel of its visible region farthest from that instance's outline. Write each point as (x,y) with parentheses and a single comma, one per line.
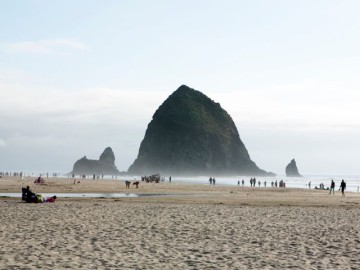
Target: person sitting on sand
(27,195)
(51,199)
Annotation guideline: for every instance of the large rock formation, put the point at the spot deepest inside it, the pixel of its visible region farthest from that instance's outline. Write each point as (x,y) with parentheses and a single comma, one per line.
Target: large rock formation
(105,165)
(292,170)
(192,135)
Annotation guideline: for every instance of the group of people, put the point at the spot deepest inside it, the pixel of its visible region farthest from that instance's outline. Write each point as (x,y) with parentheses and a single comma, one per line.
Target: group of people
(212,181)
(31,197)
(342,187)
(273,184)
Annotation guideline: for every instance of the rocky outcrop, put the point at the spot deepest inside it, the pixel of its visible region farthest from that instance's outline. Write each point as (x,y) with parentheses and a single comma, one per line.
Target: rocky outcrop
(190,134)
(105,165)
(292,170)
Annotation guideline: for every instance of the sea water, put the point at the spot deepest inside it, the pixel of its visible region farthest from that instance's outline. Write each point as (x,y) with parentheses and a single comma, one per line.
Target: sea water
(352,181)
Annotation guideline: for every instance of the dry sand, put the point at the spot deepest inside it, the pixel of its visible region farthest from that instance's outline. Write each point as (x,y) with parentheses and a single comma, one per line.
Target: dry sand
(198,227)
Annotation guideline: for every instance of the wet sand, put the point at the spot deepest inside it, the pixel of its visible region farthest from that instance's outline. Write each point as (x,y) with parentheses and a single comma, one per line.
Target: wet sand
(200,227)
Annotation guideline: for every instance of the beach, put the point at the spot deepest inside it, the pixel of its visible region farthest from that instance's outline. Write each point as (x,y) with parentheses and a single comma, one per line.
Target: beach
(191,226)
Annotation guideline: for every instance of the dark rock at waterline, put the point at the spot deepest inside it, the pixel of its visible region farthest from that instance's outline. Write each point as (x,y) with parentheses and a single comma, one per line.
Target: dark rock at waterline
(292,170)
(190,134)
(105,165)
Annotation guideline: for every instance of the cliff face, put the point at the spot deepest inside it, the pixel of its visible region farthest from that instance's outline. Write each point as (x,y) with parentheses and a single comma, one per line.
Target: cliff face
(292,170)
(105,165)
(192,135)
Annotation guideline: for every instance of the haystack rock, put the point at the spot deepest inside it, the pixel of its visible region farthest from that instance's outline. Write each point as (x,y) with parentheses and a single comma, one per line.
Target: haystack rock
(292,170)
(190,134)
(105,165)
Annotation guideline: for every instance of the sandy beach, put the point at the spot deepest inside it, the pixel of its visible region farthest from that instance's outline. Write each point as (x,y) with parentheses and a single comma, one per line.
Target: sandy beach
(194,227)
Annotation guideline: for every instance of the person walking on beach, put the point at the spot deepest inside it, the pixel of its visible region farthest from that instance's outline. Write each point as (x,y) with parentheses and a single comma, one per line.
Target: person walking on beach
(210,181)
(243,183)
(310,185)
(332,187)
(343,187)
(214,181)
(238,182)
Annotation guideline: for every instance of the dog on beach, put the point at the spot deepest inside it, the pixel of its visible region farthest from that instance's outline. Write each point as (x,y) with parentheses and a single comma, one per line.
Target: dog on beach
(136,184)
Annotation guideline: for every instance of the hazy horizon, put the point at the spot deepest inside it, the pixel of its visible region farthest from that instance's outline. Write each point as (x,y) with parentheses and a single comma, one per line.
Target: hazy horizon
(77,77)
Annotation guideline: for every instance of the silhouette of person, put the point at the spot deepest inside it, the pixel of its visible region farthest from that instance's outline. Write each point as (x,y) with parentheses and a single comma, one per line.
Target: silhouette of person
(332,187)
(343,187)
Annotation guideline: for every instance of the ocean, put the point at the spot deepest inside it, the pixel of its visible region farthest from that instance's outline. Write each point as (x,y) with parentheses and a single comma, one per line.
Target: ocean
(352,181)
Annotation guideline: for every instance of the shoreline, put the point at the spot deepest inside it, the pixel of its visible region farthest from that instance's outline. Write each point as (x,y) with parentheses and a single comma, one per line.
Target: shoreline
(186,193)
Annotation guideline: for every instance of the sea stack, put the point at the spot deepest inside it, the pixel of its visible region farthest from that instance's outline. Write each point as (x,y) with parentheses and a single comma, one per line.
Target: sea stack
(104,166)
(190,134)
(292,170)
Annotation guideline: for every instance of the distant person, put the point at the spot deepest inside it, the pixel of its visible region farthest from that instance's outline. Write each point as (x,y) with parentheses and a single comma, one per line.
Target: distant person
(272,183)
(343,187)
(332,187)
(210,180)
(265,183)
(214,181)
(238,182)
(170,179)
(309,185)
(259,183)
(276,183)
(127,184)
(243,183)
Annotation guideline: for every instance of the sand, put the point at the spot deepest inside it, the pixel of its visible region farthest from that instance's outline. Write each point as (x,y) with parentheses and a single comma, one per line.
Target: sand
(198,227)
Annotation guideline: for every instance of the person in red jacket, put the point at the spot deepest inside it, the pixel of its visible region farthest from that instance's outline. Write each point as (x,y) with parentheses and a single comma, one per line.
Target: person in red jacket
(51,199)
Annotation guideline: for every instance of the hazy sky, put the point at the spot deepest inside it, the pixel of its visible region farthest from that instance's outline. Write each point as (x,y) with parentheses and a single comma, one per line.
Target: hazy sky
(78,76)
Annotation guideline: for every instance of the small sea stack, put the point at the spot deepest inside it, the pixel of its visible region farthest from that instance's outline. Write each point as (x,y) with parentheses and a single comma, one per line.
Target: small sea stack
(105,165)
(291,169)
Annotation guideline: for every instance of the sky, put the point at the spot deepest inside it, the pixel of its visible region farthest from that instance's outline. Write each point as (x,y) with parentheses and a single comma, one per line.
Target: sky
(78,76)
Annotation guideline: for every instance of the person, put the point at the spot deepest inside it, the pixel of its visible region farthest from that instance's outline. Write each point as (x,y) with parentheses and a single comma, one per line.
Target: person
(265,183)
(242,182)
(332,187)
(51,199)
(238,182)
(343,187)
(170,179)
(27,195)
(310,185)
(210,181)
(214,181)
